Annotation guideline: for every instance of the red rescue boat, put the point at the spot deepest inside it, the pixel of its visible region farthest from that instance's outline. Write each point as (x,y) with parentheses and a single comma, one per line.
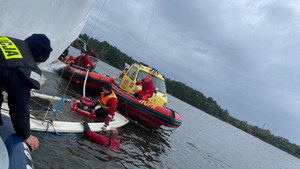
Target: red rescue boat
(94,80)
(145,112)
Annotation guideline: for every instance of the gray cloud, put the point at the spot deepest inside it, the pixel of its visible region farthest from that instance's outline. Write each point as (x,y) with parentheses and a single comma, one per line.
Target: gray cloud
(244,54)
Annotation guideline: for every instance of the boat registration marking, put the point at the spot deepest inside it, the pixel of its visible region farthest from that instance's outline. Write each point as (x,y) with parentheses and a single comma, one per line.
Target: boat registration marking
(148,104)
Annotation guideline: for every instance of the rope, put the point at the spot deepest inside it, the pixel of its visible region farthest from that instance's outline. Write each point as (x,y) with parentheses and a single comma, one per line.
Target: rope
(136,123)
(148,28)
(47,121)
(130,118)
(42,107)
(49,107)
(56,89)
(95,23)
(71,77)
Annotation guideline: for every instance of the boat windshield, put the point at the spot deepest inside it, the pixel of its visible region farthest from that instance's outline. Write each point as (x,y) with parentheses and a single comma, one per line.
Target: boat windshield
(159,84)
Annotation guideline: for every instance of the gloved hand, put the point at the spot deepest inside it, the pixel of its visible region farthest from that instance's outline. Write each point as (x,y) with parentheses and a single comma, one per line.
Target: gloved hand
(86,126)
(106,124)
(70,62)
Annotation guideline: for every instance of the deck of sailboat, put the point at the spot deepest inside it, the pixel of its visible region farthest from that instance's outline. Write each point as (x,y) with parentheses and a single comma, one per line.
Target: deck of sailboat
(65,121)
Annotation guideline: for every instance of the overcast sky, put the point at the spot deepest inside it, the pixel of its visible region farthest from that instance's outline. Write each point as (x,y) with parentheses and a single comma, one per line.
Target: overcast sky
(244,54)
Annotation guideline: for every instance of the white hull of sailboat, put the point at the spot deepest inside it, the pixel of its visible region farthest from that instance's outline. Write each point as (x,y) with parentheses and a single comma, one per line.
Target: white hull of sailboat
(65,126)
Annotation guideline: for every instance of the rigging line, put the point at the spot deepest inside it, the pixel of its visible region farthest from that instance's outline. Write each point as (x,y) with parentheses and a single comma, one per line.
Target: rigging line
(148,29)
(96,22)
(61,78)
(49,107)
(71,76)
(42,107)
(63,96)
(136,122)
(127,117)
(56,89)
(49,122)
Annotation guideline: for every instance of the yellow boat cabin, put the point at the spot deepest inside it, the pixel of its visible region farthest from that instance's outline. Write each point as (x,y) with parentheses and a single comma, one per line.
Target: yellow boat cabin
(138,71)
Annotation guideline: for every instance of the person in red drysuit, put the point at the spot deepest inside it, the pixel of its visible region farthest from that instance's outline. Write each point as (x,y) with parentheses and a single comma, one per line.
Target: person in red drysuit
(107,141)
(147,88)
(84,61)
(108,100)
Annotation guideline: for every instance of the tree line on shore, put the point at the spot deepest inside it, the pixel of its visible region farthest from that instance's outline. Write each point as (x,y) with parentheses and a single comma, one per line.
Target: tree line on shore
(113,56)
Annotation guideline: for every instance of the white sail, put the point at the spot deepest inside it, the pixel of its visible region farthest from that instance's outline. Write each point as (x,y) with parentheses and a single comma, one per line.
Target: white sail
(61,20)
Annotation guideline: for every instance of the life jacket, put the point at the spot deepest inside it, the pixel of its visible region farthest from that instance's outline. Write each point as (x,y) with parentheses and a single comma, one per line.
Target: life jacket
(104,99)
(15,53)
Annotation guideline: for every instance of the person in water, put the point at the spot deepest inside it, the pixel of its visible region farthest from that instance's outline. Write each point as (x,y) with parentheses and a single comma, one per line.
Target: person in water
(147,88)
(108,100)
(83,60)
(19,73)
(107,141)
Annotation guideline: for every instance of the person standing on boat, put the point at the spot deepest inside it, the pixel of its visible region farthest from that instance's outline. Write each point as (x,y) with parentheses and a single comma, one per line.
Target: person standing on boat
(109,141)
(83,60)
(123,72)
(19,73)
(147,88)
(108,100)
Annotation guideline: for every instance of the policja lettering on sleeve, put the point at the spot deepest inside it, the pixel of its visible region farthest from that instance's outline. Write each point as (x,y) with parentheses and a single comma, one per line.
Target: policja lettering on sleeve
(9,49)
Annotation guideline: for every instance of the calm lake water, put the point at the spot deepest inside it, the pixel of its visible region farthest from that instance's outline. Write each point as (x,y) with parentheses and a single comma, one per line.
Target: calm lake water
(201,142)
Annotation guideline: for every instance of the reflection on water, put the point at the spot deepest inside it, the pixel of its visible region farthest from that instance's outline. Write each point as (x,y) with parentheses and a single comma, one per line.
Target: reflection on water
(141,146)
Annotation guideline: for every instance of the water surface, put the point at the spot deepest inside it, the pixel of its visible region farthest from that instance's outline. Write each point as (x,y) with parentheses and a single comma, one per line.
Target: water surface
(201,142)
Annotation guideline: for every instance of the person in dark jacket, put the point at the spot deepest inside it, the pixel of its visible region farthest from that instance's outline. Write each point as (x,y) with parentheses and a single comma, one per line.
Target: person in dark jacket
(83,60)
(147,88)
(109,141)
(19,73)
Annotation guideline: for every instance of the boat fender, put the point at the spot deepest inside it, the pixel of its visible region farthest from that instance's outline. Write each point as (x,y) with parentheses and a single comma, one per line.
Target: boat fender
(112,79)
